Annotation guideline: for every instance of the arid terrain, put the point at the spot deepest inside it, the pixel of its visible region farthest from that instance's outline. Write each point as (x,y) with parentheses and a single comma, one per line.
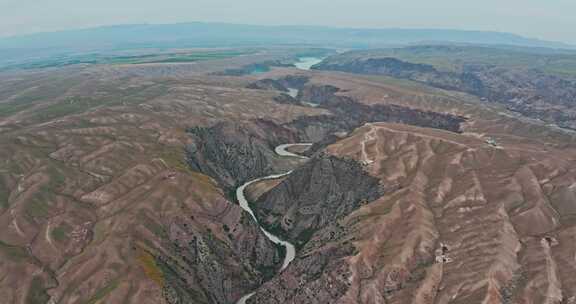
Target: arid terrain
(118,181)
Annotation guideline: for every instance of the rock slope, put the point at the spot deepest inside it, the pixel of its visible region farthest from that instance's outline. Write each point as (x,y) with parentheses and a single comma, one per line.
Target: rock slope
(459,221)
(531,92)
(320,191)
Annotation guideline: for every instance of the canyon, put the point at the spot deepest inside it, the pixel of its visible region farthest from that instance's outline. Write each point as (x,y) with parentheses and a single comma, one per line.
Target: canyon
(523,89)
(361,180)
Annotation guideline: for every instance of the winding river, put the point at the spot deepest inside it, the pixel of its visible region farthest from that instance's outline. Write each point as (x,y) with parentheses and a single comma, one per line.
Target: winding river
(290,249)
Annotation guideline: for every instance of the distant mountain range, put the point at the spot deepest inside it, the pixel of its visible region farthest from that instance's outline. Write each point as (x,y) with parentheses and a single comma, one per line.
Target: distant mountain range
(198,34)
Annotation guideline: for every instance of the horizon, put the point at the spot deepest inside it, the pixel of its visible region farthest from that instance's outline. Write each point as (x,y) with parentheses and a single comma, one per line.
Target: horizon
(549,21)
(276,25)
(567,44)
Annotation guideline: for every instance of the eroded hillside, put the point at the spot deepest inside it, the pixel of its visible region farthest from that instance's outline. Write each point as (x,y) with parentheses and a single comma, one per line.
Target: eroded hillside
(536,85)
(460,221)
(117,186)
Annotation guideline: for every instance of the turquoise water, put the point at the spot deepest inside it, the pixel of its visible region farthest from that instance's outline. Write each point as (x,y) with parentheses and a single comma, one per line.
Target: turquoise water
(305,63)
(258,69)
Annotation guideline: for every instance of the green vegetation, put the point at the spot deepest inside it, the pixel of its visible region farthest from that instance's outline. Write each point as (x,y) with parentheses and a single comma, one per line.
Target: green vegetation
(452,58)
(190,56)
(68,106)
(60,233)
(104,291)
(151,268)
(37,294)
(14,253)
(57,177)
(37,207)
(175,159)
(152,225)
(29,98)
(197,57)
(178,288)
(10,108)
(116,97)
(314,52)
(268,272)
(4,195)
(39,204)
(304,237)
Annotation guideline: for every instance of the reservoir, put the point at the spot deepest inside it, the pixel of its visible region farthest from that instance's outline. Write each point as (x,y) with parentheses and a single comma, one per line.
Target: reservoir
(305,63)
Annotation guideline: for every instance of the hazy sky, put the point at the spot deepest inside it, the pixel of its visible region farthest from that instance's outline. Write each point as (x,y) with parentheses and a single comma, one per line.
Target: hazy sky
(547,19)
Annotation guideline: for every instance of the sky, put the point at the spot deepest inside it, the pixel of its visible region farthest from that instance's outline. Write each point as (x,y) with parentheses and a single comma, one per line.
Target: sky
(545,19)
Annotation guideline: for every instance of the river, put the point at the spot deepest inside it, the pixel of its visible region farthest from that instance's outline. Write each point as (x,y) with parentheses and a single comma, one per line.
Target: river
(305,63)
(290,249)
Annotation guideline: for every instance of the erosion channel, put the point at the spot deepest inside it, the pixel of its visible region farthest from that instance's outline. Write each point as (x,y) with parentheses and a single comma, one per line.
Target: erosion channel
(290,249)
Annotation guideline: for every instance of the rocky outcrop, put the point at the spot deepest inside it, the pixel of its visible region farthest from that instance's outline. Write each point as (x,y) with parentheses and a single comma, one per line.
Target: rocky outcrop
(530,92)
(280,84)
(458,221)
(267,84)
(319,276)
(306,208)
(201,267)
(286,99)
(285,84)
(347,113)
(234,154)
(319,129)
(355,114)
(382,66)
(315,195)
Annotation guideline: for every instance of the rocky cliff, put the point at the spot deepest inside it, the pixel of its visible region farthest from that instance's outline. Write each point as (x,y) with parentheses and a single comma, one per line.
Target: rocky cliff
(280,84)
(528,91)
(315,195)
(347,113)
(205,266)
(236,153)
(353,113)
(459,221)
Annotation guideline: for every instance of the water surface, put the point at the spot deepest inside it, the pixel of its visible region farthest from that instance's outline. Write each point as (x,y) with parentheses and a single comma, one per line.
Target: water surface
(290,249)
(305,63)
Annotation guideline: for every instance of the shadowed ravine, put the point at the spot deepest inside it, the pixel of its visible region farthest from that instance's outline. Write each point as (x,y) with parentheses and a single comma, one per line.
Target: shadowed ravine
(290,249)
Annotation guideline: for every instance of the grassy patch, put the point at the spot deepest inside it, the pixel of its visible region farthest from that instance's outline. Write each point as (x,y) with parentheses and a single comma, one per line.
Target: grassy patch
(37,208)
(37,294)
(60,233)
(10,108)
(100,233)
(68,106)
(38,205)
(151,225)
(151,269)
(197,57)
(104,291)
(13,253)
(57,177)
(175,159)
(205,183)
(4,195)
(45,92)
(62,61)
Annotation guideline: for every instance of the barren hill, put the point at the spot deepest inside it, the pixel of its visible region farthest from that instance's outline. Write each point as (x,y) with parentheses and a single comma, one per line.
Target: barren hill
(117,185)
